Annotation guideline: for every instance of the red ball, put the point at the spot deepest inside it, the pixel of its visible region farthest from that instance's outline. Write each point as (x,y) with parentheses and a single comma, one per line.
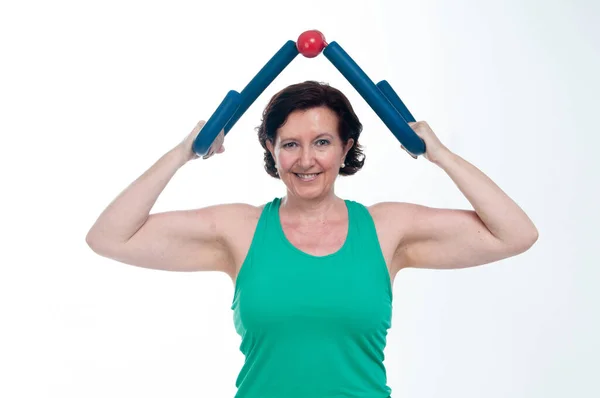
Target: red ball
(311,43)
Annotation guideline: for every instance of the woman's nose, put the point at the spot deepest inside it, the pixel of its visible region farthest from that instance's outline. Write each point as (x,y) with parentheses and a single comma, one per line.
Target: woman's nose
(307,158)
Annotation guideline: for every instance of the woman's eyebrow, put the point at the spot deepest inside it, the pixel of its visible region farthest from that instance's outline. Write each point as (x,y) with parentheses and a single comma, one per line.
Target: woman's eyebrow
(317,137)
(325,135)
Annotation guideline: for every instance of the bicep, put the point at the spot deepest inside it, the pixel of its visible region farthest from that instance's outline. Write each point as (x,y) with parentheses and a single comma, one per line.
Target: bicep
(448,239)
(186,240)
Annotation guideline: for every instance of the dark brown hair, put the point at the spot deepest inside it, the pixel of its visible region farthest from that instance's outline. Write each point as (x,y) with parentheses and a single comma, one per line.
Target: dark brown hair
(307,95)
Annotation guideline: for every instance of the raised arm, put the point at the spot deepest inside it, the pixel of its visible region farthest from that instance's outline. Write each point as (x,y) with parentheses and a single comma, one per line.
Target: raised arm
(495,229)
(179,240)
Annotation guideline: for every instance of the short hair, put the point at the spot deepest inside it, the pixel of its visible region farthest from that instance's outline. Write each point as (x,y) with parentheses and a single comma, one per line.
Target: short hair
(307,95)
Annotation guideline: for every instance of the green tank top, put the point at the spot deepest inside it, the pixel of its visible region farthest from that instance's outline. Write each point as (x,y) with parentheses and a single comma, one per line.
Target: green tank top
(313,326)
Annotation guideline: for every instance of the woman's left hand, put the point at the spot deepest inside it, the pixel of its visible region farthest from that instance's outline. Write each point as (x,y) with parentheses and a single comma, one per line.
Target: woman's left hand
(433,146)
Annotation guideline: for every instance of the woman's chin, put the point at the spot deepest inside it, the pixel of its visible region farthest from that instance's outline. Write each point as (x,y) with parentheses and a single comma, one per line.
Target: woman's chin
(312,189)
(309,192)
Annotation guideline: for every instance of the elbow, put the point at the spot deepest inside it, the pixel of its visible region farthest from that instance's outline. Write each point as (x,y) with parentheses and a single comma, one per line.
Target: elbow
(526,240)
(96,243)
(102,245)
(92,242)
(532,236)
(529,243)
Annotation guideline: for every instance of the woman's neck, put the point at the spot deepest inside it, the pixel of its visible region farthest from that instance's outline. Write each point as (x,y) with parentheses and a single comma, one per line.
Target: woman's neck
(312,210)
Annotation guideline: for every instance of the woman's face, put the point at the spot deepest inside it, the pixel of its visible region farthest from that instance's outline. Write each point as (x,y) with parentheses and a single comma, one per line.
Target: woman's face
(308,152)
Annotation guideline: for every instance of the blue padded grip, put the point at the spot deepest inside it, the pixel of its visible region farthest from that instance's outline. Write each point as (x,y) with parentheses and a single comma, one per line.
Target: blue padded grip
(264,78)
(375,98)
(216,123)
(235,104)
(395,100)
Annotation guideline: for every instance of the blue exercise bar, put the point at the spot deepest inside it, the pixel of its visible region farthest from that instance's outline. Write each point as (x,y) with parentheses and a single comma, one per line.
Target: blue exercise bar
(233,107)
(381,97)
(375,98)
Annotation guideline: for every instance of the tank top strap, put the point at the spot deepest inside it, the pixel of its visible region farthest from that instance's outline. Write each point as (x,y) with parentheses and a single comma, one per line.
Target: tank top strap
(361,224)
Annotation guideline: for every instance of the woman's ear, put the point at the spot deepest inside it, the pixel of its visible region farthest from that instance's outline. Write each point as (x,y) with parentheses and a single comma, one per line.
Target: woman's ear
(270,147)
(348,146)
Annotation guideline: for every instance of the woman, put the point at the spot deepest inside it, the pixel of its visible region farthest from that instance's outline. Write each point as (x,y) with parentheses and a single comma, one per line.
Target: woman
(313,273)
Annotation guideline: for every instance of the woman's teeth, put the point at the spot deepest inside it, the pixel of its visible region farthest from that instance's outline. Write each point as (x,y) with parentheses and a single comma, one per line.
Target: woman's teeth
(307,177)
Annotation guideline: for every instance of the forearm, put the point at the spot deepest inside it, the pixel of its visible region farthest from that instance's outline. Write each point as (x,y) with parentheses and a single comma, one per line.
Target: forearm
(500,214)
(130,210)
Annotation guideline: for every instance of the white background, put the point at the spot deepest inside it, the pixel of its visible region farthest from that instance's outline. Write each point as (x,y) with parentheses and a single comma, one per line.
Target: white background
(93,93)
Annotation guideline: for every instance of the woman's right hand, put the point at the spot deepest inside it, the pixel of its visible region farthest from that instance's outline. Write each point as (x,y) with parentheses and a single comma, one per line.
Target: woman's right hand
(187,145)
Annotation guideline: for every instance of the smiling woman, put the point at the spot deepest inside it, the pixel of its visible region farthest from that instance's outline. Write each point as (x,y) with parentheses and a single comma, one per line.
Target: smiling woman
(303,153)
(325,112)
(312,272)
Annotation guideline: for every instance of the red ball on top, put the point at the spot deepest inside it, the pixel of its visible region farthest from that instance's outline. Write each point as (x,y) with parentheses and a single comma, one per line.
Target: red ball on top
(311,43)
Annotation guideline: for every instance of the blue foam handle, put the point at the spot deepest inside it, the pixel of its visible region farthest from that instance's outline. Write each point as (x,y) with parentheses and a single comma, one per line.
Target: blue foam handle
(264,78)
(387,90)
(234,105)
(216,123)
(375,98)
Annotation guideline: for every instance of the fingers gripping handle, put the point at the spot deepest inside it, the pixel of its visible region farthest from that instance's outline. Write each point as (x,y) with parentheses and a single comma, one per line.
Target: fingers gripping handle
(216,123)
(383,100)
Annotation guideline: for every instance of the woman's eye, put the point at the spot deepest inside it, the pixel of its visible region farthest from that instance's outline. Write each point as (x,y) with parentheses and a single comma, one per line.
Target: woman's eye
(289,144)
(323,142)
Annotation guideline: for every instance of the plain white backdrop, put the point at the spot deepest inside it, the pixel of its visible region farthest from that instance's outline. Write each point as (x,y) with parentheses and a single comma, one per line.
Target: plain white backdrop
(93,93)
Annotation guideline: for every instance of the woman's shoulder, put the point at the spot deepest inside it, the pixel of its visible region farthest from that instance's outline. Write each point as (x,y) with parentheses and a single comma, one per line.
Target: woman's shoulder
(238,223)
(389,208)
(238,211)
(390,217)
(233,216)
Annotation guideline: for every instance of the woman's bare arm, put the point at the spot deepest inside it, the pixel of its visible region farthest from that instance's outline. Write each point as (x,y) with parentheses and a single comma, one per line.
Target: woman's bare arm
(178,240)
(185,240)
(495,229)
(131,208)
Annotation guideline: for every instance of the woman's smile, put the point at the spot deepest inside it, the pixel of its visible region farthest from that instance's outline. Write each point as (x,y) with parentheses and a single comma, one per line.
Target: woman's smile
(307,177)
